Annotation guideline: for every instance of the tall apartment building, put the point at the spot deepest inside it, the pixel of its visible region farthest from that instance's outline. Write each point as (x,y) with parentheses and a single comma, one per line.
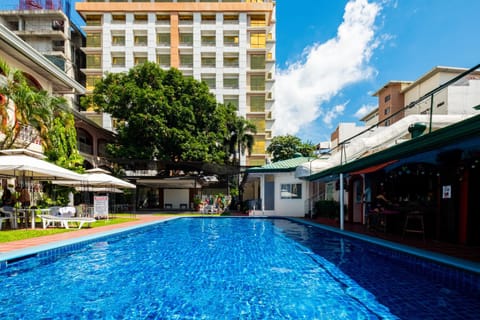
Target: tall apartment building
(229,44)
(46,26)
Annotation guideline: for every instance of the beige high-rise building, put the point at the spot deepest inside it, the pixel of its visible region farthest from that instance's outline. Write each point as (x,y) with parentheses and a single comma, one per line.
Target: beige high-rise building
(226,43)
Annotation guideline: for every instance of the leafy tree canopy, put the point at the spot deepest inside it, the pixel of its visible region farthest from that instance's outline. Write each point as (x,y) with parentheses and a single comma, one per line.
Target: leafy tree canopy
(285,147)
(165,116)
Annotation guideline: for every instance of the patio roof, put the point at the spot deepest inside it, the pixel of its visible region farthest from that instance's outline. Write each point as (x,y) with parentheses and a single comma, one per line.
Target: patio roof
(450,135)
(281,166)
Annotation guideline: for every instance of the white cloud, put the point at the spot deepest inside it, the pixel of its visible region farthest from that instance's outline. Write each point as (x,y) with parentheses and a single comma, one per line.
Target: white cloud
(325,70)
(364,110)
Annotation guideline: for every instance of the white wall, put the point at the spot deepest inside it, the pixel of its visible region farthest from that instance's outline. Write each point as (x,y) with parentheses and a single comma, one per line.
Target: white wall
(175,197)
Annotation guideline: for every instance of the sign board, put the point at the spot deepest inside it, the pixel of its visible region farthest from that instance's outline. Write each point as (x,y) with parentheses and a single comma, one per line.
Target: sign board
(100,207)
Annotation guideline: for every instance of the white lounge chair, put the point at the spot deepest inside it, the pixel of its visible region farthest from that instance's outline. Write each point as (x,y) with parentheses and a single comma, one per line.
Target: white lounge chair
(49,220)
(209,209)
(9,215)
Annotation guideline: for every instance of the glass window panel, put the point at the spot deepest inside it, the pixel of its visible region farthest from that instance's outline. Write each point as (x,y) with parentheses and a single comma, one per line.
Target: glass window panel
(257,62)
(257,103)
(141,18)
(186,60)
(163,39)
(230,19)
(233,100)
(163,60)
(258,21)
(163,19)
(94,61)
(210,80)
(231,61)
(118,18)
(94,20)
(140,40)
(230,40)
(257,82)
(91,80)
(257,40)
(208,40)
(291,191)
(208,62)
(186,39)
(118,40)
(208,18)
(140,59)
(118,61)
(230,81)
(94,40)
(258,145)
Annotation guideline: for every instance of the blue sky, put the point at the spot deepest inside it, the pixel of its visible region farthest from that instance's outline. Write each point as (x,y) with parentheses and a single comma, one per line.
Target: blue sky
(333,54)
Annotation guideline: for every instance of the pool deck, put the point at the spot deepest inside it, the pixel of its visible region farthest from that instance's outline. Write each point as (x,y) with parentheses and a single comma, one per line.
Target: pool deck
(467,253)
(28,243)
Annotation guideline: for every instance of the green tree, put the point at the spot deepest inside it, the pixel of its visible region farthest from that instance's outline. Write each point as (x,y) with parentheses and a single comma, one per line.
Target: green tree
(62,149)
(285,147)
(242,137)
(23,107)
(163,115)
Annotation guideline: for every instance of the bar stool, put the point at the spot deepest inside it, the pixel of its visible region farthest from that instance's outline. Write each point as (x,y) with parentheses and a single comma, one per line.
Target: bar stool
(414,224)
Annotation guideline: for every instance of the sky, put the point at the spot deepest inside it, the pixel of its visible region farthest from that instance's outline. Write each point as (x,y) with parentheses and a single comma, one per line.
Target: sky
(332,55)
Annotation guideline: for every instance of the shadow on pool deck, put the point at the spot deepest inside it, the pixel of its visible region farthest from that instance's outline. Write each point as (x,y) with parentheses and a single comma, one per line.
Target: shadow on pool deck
(470,253)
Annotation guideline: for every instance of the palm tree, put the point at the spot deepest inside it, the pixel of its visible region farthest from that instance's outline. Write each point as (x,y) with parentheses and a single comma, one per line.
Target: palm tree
(242,138)
(33,108)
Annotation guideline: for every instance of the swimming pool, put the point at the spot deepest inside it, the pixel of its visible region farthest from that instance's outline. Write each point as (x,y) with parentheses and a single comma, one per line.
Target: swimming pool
(233,268)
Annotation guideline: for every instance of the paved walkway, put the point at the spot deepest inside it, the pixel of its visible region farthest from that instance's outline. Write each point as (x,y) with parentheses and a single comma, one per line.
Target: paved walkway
(27,243)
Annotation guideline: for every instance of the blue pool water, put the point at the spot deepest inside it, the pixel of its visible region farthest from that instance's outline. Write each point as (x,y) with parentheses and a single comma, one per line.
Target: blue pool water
(233,268)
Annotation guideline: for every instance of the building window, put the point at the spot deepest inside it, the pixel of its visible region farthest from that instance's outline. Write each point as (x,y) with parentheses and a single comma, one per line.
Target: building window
(230,61)
(118,40)
(91,80)
(259,123)
(257,40)
(386,111)
(257,103)
(163,19)
(291,191)
(185,18)
(210,80)
(208,61)
(257,62)
(230,18)
(230,40)
(208,40)
(140,40)
(94,61)
(141,18)
(163,60)
(259,145)
(387,98)
(230,81)
(186,39)
(140,59)
(257,21)
(387,122)
(118,18)
(233,100)
(94,40)
(257,82)
(94,20)
(186,60)
(118,61)
(208,19)
(163,39)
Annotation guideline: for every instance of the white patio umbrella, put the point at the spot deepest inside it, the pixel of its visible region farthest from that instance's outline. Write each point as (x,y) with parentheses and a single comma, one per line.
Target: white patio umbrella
(26,166)
(98,179)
